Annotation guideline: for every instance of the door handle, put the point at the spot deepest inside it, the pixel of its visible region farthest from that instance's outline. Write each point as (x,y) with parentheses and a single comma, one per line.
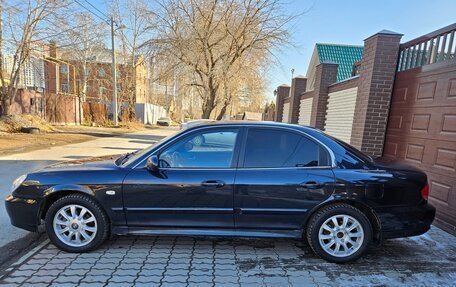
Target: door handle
(311,185)
(213,183)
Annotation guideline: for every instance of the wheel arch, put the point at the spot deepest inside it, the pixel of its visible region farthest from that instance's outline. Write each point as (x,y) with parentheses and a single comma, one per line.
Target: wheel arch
(54,193)
(368,211)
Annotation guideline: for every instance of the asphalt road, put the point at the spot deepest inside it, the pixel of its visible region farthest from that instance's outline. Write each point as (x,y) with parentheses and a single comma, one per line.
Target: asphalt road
(13,166)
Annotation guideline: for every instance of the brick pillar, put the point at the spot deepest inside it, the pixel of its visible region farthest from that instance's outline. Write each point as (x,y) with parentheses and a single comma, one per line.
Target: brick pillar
(376,78)
(283,91)
(298,86)
(325,75)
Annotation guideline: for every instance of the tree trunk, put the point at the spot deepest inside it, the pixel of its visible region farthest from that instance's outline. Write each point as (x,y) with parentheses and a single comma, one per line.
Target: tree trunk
(6,106)
(132,112)
(222,112)
(209,103)
(206,112)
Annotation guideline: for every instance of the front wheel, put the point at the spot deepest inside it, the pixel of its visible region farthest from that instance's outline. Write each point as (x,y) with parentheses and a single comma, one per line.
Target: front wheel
(76,223)
(339,233)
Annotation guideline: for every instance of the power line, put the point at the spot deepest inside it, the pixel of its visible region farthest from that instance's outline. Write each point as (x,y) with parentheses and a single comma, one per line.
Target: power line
(93,13)
(61,32)
(102,13)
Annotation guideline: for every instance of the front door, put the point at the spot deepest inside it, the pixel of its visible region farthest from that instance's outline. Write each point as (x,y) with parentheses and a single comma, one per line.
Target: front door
(193,187)
(282,175)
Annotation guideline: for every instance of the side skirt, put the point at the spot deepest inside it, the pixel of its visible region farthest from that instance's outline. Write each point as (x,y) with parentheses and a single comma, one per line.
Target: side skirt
(124,230)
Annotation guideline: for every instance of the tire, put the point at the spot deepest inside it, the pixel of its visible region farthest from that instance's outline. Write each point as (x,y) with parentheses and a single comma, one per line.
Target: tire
(94,223)
(30,130)
(338,241)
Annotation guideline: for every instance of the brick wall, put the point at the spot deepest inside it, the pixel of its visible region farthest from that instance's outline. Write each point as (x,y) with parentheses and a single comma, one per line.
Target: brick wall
(27,102)
(375,82)
(325,75)
(283,92)
(298,86)
(347,84)
(376,78)
(308,94)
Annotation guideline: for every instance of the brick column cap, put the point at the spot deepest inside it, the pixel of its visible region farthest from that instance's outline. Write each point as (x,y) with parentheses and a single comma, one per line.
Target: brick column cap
(284,85)
(300,77)
(385,32)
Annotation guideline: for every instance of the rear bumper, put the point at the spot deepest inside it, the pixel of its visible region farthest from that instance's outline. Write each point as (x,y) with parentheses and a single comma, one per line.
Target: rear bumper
(399,222)
(23,213)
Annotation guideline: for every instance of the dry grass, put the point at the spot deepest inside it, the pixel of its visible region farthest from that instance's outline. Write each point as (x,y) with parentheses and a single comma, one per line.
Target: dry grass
(14,123)
(13,141)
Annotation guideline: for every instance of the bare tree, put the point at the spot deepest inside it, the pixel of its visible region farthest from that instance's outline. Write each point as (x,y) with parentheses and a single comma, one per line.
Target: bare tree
(20,34)
(210,38)
(132,19)
(243,85)
(84,44)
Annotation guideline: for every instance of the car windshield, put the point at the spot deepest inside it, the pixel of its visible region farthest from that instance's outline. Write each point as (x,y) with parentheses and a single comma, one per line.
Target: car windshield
(134,156)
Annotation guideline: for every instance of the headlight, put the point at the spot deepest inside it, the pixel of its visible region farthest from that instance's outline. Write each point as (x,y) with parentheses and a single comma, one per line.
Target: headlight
(18,181)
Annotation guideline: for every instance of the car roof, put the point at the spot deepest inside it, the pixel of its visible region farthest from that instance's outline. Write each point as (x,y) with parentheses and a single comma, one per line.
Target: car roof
(256,123)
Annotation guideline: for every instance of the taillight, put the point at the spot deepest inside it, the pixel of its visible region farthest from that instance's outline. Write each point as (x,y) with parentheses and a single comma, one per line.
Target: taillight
(425,192)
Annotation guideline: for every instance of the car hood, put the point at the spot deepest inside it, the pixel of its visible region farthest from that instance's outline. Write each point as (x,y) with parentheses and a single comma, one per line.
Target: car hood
(92,163)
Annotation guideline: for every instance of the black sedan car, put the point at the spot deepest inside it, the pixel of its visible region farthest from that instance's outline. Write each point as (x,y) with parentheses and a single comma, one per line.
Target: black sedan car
(229,179)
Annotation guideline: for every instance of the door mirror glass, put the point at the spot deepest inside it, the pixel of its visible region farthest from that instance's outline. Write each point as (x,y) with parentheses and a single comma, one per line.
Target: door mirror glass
(152,163)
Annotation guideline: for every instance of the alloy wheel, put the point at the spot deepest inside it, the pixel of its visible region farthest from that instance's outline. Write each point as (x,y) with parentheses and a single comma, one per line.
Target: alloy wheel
(75,225)
(341,235)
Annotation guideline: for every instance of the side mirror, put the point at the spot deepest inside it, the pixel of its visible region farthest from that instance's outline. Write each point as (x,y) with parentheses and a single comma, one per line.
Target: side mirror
(152,163)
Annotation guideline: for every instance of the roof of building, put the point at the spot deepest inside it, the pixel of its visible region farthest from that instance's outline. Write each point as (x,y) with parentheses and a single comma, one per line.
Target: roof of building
(344,55)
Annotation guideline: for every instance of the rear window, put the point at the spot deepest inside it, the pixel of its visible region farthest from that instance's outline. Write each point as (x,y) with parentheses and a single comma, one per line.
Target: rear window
(272,148)
(352,158)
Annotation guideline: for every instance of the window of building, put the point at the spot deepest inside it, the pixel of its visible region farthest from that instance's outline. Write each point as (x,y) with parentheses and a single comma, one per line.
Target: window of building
(101,72)
(63,69)
(65,88)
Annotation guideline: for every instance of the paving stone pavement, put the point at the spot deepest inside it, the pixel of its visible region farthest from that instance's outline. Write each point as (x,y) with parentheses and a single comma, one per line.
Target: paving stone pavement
(427,260)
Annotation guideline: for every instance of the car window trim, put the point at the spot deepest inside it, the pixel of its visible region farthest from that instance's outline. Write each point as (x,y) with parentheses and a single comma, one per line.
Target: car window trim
(303,134)
(244,136)
(288,167)
(165,145)
(247,168)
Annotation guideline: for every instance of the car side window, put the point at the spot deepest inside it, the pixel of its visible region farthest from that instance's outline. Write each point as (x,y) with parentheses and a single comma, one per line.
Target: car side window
(273,148)
(308,154)
(207,149)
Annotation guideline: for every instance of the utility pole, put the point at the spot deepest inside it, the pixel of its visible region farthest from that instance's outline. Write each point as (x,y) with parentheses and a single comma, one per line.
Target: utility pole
(114,76)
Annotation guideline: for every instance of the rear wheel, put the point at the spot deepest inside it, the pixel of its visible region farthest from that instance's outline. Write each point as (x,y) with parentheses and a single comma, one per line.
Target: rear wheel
(339,233)
(76,223)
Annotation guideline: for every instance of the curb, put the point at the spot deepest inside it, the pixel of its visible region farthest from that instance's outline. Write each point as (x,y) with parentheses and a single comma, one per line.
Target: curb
(24,258)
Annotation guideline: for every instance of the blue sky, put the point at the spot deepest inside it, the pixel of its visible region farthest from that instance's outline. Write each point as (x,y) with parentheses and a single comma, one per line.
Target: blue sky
(350,22)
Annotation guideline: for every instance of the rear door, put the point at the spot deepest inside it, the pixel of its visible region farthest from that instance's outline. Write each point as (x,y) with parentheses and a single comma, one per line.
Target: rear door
(282,174)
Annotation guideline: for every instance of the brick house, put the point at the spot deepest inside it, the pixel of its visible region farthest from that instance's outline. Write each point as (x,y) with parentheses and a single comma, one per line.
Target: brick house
(389,100)
(31,82)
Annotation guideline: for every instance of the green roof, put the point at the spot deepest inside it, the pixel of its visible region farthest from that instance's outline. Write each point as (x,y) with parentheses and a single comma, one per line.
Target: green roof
(344,55)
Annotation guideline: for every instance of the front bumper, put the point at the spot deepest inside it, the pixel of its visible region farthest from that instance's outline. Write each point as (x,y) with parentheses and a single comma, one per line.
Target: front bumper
(407,221)
(23,213)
